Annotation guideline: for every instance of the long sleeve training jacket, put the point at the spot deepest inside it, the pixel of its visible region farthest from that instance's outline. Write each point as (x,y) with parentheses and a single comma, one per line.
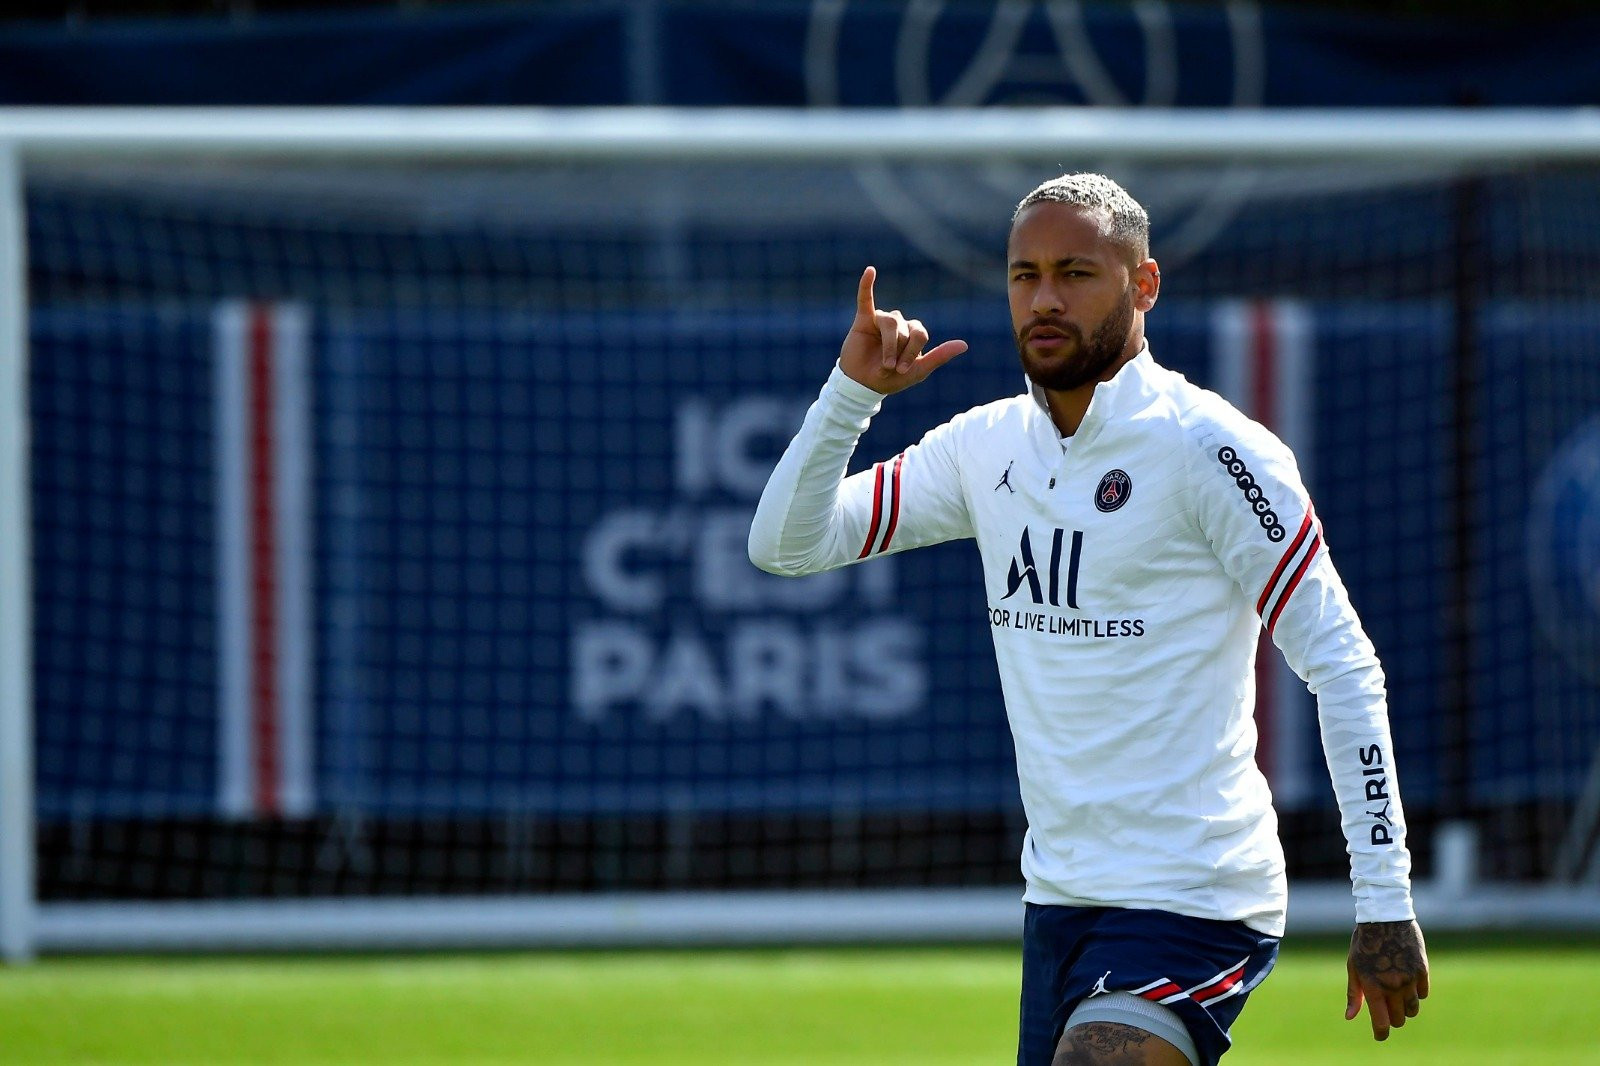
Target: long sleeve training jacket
(1129,569)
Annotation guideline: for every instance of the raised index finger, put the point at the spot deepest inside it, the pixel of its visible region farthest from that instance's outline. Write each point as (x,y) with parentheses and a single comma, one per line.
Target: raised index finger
(864,304)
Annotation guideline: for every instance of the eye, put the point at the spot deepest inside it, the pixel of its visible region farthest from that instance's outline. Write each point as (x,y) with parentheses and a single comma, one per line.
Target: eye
(1023,275)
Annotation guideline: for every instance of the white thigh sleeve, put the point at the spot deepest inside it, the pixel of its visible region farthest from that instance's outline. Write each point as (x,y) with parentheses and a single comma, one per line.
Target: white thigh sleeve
(1125,1008)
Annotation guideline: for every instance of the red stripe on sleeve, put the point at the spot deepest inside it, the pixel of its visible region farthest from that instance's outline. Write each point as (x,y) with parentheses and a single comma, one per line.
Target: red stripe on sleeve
(1294,582)
(877,512)
(1299,538)
(894,508)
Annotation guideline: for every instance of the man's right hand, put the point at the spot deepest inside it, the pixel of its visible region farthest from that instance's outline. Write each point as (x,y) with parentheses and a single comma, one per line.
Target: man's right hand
(1388,968)
(883,349)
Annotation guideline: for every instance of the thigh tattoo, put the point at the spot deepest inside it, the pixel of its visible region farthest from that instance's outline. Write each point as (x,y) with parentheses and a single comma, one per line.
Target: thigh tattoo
(1103,1044)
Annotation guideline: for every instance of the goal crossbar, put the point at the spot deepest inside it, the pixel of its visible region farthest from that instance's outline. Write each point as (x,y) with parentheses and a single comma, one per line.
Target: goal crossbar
(589,134)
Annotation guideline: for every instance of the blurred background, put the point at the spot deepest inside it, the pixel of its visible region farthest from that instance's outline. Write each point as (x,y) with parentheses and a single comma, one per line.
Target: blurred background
(388,514)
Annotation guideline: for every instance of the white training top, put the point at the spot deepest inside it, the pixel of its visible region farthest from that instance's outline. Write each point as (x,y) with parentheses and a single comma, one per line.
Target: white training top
(1129,569)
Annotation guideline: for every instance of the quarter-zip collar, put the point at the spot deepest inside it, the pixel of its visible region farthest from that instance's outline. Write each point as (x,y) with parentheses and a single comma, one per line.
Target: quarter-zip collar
(1128,391)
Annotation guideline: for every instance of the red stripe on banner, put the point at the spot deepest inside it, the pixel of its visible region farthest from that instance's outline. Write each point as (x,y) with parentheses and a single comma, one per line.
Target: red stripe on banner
(1266,706)
(263,565)
(1264,365)
(894,508)
(877,511)
(1272,582)
(1294,582)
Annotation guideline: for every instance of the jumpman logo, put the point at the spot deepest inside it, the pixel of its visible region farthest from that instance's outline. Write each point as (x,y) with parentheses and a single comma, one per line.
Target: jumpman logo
(1382,815)
(1005,479)
(1100,985)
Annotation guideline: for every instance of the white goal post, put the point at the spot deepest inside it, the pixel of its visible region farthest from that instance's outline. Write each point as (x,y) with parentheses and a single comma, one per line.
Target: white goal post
(44,136)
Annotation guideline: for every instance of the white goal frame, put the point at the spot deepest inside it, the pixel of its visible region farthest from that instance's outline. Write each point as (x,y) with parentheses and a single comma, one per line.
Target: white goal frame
(39,135)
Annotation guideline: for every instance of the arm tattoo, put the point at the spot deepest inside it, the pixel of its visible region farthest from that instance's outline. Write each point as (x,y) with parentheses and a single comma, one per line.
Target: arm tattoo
(1102,1044)
(1389,953)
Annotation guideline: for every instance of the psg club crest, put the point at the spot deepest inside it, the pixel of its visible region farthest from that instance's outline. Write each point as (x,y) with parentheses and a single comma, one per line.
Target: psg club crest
(1113,490)
(1563,551)
(1037,52)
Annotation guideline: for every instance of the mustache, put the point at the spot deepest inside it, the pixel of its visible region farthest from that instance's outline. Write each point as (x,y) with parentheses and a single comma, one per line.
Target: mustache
(1056,324)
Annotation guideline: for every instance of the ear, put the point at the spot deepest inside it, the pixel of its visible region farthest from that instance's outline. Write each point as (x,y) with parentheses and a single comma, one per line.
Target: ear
(1146,284)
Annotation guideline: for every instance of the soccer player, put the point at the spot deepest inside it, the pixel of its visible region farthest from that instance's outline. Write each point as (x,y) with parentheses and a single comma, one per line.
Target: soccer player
(1136,533)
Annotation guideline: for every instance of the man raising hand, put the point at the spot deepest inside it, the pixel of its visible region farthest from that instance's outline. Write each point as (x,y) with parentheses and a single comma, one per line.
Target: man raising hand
(883,349)
(1148,533)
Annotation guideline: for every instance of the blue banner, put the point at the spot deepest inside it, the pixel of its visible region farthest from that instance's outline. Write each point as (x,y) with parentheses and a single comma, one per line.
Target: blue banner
(794,53)
(531,592)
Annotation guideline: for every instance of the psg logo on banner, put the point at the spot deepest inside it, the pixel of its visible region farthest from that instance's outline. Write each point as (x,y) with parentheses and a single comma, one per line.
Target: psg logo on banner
(1036,52)
(1113,491)
(1564,551)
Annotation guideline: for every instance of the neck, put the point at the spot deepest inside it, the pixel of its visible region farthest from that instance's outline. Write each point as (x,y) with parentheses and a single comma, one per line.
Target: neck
(1068,406)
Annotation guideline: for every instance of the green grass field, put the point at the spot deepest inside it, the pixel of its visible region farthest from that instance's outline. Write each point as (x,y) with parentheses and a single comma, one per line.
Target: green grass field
(1501,1003)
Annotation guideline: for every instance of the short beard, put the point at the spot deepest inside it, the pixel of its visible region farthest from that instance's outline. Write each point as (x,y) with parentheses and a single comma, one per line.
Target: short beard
(1092,359)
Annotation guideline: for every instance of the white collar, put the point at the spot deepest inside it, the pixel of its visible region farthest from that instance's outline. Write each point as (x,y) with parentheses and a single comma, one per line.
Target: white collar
(1130,380)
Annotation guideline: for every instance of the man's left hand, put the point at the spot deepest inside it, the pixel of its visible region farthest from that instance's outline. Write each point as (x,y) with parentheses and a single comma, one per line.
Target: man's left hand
(1388,967)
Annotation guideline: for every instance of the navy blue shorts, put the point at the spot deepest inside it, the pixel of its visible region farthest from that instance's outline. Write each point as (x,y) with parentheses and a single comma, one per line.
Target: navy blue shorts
(1200,968)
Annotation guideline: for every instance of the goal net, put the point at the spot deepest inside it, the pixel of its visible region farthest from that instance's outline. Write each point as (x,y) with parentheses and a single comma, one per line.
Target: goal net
(388,493)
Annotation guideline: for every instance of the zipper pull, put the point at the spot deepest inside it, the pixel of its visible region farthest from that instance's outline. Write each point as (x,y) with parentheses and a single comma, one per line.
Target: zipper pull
(1052,482)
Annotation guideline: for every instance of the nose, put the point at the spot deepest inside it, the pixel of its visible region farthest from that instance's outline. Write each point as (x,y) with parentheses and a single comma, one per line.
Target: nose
(1047,299)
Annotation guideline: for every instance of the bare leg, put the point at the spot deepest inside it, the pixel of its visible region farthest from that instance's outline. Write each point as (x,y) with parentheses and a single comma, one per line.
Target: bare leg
(1113,1044)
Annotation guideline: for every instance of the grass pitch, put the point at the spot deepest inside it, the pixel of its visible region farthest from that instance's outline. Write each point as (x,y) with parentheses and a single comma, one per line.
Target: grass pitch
(1496,1003)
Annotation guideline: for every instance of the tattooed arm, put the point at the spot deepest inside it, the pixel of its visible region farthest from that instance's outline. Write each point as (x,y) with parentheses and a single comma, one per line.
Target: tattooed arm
(1389,968)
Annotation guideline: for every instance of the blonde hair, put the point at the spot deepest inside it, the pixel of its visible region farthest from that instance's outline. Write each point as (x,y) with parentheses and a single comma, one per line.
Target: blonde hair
(1126,223)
